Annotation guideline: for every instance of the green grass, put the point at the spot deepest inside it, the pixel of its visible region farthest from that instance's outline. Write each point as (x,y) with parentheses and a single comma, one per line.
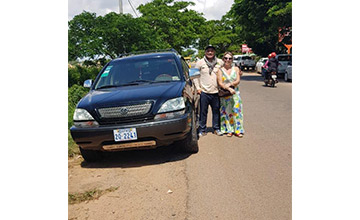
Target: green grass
(88,195)
(73,148)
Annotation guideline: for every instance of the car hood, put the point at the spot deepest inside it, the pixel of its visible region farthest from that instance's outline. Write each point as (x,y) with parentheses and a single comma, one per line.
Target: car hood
(127,95)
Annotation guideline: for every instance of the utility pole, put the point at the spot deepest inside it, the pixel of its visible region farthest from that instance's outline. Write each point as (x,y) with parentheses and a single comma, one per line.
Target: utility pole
(120,7)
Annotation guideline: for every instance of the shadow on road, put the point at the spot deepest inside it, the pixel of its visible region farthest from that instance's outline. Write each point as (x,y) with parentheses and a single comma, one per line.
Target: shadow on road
(257,77)
(138,158)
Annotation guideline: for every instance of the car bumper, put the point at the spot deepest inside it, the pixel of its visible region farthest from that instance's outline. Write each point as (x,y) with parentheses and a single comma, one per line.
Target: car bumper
(154,134)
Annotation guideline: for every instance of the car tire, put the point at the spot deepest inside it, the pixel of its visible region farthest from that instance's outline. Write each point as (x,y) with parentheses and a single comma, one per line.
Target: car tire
(91,155)
(190,143)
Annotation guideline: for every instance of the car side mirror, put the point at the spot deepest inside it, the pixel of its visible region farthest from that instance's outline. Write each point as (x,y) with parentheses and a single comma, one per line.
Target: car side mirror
(194,73)
(88,83)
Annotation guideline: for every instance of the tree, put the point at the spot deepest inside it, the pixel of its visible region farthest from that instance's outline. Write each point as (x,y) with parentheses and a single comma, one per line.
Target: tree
(110,35)
(172,22)
(217,33)
(82,37)
(257,22)
(123,33)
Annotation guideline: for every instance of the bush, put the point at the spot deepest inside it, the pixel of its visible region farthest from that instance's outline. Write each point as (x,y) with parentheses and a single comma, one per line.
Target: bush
(78,74)
(75,93)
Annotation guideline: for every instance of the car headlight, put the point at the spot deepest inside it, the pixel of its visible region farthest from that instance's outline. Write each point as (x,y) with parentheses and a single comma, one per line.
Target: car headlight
(172,105)
(81,115)
(173,108)
(83,119)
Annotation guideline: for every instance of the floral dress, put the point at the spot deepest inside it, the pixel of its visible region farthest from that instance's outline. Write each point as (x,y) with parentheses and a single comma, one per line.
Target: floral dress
(231,110)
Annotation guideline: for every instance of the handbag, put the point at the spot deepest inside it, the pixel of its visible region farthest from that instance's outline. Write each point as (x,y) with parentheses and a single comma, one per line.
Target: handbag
(225,92)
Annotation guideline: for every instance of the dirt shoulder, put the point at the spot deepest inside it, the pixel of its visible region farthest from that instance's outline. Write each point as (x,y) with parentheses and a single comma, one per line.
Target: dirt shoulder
(131,185)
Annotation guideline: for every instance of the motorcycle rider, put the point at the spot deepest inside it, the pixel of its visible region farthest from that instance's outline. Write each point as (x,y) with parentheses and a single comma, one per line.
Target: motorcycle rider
(271,64)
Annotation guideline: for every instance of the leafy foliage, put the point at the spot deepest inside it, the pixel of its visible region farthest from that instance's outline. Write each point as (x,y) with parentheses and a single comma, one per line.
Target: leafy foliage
(108,36)
(82,38)
(172,22)
(78,74)
(257,22)
(75,93)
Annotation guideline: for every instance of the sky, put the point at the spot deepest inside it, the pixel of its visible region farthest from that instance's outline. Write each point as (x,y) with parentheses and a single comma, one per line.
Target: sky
(212,9)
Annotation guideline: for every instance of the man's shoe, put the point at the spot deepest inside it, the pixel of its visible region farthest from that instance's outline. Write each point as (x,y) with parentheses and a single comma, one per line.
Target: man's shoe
(201,134)
(218,132)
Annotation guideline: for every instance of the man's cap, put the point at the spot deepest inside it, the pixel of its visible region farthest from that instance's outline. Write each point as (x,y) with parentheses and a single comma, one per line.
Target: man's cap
(210,46)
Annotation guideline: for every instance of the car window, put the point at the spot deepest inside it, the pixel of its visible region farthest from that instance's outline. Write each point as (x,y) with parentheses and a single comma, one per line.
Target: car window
(125,71)
(185,68)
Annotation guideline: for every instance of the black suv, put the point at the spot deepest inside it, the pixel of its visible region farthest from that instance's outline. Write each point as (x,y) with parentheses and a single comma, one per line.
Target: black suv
(138,101)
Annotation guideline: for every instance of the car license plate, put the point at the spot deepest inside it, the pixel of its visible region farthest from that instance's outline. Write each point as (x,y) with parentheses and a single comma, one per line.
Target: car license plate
(273,76)
(125,134)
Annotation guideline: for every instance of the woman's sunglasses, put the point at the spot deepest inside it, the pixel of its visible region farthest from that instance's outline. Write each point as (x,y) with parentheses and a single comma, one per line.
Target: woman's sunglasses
(228,58)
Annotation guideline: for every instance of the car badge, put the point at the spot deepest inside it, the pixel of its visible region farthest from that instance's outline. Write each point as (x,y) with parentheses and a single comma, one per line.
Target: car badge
(123,111)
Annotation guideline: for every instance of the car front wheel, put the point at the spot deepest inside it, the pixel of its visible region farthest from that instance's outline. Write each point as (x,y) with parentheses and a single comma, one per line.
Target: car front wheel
(91,155)
(190,143)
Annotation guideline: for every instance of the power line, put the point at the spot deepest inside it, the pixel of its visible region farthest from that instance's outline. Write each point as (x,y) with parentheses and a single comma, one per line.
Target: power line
(133,8)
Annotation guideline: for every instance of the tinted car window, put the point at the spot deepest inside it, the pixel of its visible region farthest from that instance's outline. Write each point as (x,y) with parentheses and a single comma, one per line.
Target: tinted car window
(246,58)
(185,68)
(122,72)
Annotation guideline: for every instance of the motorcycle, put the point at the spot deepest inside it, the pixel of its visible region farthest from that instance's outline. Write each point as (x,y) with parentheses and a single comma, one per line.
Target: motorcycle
(271,79)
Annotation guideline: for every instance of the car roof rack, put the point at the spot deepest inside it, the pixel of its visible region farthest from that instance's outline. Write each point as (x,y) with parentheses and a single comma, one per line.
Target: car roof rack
(148,51)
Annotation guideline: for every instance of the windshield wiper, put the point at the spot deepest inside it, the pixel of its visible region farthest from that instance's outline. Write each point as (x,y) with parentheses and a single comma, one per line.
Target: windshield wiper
(108,86)
(137,82)
(141,80)
(162,81)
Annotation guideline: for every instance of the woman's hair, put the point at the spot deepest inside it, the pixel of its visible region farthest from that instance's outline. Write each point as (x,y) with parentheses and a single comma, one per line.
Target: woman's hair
(228,52)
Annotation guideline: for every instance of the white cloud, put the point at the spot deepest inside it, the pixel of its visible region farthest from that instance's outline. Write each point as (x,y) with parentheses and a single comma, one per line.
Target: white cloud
(212,9)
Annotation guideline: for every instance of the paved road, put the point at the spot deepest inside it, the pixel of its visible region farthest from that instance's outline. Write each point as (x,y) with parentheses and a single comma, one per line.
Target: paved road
(248,178)
(230,178)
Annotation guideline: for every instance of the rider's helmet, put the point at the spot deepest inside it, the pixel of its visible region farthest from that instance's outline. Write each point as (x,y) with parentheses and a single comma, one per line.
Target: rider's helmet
(273,54)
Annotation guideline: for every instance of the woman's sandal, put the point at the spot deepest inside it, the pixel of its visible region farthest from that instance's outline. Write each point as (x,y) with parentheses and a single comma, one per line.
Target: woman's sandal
(239,135)
(229,135)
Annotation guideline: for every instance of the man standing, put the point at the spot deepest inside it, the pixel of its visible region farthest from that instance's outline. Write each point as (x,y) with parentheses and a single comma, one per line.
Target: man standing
(207,87)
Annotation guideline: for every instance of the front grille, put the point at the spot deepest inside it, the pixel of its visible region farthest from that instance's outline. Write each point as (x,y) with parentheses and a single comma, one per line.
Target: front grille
(124,121)
(125,111)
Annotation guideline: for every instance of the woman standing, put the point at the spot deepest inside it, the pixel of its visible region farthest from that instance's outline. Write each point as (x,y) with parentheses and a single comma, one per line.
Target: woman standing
(231,112)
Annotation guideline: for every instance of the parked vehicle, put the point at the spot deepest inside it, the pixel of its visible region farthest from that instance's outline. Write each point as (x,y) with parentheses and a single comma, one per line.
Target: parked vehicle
(138,101)
(288,73)
(244,61)
(284,60)
(259,65)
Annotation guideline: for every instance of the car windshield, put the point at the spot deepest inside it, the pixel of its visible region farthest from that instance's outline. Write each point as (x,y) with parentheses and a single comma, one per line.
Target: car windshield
(284,58)
(136,71)
(246,58)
